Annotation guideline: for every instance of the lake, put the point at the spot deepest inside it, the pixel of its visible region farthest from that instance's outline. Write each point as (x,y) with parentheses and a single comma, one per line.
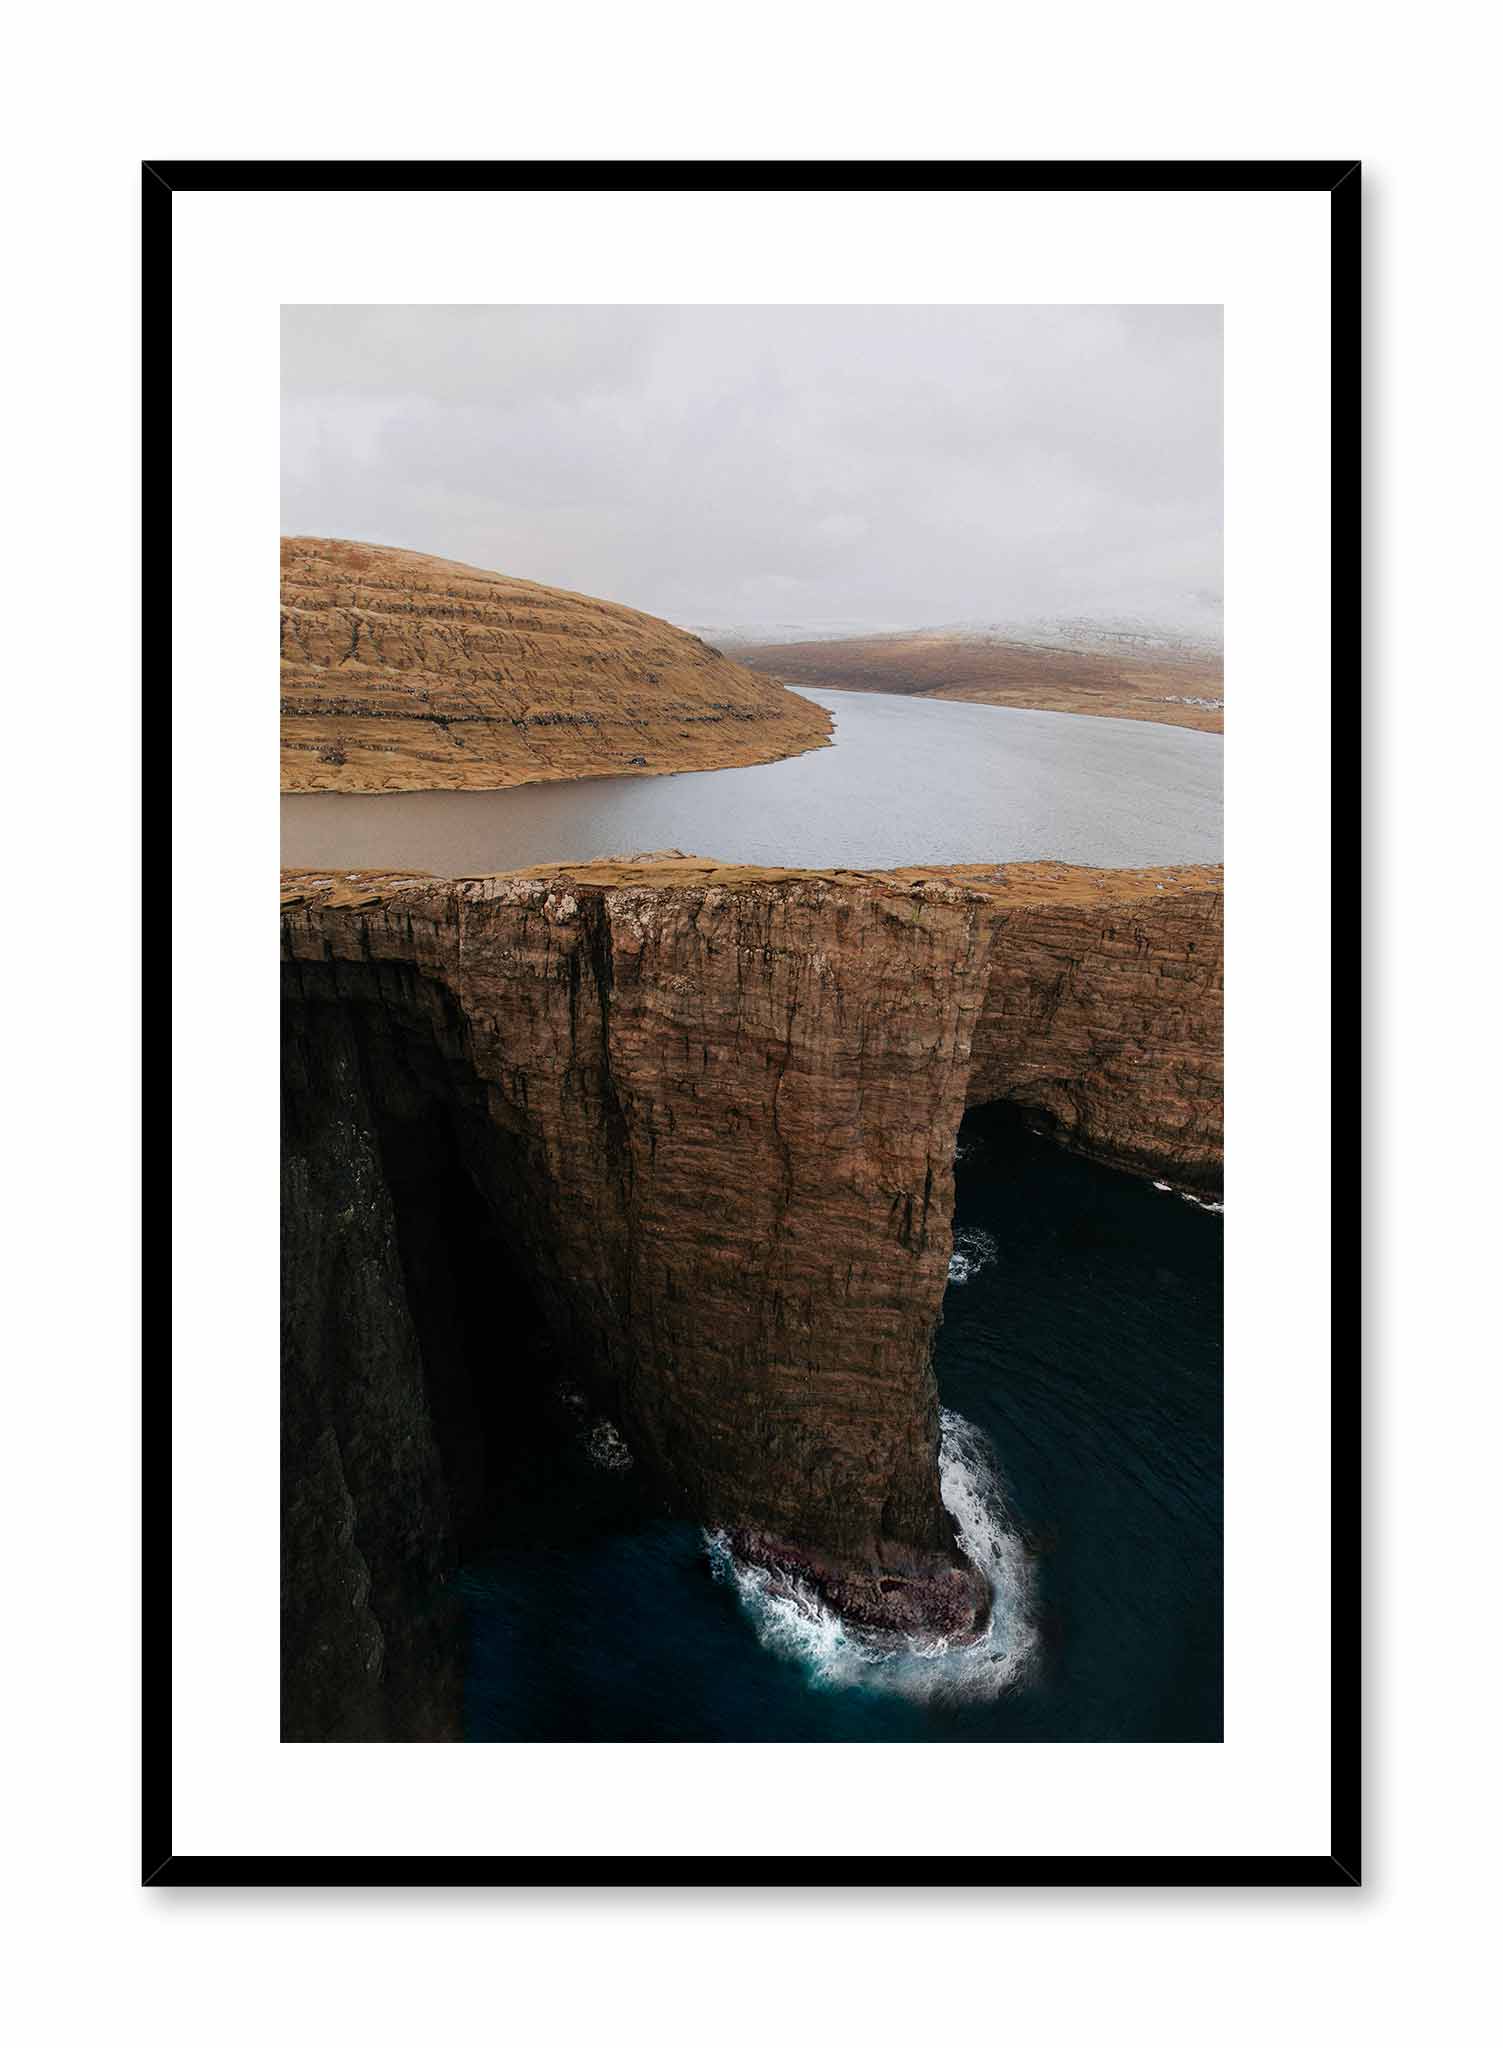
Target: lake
(907,783)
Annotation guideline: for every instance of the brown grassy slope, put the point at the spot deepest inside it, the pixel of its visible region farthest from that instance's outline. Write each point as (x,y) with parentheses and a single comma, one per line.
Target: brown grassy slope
(958,669)
(1017,883)
(403,671)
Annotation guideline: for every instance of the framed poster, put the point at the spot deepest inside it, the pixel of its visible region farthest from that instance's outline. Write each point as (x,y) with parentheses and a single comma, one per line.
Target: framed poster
(798,1361)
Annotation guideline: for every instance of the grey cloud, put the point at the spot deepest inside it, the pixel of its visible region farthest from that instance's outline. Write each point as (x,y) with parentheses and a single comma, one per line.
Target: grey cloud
(735,465)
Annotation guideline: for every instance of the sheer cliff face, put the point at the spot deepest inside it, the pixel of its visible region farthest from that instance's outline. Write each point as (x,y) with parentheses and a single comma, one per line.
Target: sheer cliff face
(403,671)
(1106,1017)
(370,1641)
(710,1117)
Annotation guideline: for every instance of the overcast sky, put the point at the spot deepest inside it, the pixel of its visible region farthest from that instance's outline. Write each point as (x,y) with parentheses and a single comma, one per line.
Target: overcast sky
(722,466)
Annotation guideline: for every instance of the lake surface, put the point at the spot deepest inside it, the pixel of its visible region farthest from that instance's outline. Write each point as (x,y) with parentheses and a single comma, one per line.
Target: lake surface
(1079,1367)
(907,783)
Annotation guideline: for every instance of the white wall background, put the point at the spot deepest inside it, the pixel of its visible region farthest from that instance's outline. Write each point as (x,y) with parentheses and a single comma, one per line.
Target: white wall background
(99,1958)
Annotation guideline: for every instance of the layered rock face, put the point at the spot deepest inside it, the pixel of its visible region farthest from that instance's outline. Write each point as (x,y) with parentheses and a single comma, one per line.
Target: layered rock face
(1106,1018)
(706,1118)
(403,671)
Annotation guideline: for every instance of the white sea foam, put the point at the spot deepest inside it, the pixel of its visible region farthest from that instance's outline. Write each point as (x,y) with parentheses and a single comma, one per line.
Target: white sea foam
(791,1622)
(608,1448)
(603,1443)
(973,1250)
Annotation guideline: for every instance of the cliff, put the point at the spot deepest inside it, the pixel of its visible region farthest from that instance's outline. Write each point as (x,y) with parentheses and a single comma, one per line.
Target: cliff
(695,1129)
(403,671)
(1102,1019)
(370,1639)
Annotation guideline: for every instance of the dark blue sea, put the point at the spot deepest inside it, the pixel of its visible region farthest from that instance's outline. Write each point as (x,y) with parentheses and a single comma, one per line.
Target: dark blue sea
(1080,1373)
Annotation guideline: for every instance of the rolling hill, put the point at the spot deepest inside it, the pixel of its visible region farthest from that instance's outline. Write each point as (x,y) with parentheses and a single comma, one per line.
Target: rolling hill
(403,671)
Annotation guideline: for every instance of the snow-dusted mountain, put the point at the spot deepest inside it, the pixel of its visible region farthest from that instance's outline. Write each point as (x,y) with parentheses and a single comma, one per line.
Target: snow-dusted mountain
(1126,633)
(782,633)
(1195,634)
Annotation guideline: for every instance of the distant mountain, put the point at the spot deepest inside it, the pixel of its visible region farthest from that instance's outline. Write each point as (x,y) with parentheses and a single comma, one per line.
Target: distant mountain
(1102,668)
(1133,634)
(769,633)
(1195,634)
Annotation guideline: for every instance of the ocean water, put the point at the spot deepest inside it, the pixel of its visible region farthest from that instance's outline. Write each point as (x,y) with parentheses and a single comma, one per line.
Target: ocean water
(906,784)
(1079,1365)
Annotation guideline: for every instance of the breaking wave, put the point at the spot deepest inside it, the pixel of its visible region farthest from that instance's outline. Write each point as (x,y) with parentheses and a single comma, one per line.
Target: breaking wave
(608,1449)
(1167,1188)
(603,1443)
(973,1250)
(791,1622)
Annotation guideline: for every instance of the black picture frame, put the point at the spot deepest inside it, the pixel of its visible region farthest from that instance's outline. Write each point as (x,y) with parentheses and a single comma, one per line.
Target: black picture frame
(1341,178)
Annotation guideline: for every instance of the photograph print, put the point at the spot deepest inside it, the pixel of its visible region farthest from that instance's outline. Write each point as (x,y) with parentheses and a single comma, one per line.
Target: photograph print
(752,1064)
